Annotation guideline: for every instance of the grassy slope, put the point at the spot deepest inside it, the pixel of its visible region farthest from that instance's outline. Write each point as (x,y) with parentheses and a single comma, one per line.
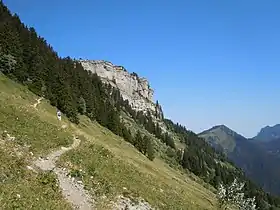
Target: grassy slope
(161,149)
(110,166)
(20,188)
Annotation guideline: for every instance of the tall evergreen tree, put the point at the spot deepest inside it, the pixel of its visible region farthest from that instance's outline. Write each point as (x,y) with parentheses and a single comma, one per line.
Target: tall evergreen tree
(138,141)
(82,108)
(146,142)
(150,150)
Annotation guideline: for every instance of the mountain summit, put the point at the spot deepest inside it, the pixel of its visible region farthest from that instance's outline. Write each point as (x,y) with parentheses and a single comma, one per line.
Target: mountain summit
(268,133)
(136,90)
(258,159)
(222,138)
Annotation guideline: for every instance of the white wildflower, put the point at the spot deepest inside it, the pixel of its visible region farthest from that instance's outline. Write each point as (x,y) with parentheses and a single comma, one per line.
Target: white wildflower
(233,195)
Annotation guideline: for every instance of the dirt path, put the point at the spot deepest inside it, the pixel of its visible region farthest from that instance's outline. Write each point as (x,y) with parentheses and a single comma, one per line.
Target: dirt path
(48,163)
(72,190)
(38,102)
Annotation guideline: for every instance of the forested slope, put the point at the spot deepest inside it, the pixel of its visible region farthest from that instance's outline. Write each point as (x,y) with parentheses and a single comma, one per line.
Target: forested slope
(30,60)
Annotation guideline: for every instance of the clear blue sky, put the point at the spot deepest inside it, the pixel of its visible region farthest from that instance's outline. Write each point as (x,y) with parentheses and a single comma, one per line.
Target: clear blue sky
(210,62)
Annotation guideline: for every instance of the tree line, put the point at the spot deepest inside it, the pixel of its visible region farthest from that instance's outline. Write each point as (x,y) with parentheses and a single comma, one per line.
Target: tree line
(29,59)
(207,163)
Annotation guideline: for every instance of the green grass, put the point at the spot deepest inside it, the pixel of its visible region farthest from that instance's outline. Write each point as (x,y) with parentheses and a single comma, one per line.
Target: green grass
(110,166)
(21,188)
(160,148)
(29,126)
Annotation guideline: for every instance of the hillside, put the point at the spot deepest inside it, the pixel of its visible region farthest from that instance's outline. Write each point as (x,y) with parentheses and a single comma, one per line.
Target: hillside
(222,138)
(113,151)
(259,160)
(117,168)
(271,147)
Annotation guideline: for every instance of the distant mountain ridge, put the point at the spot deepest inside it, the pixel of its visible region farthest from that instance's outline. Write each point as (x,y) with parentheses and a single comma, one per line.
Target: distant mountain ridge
(222,138)
(259,159)
(268,133)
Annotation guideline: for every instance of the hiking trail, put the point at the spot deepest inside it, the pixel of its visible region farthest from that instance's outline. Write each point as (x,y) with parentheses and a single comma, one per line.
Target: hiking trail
(72,189)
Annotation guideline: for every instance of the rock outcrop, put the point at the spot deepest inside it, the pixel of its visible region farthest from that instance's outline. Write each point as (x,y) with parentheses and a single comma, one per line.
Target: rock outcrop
(133,88)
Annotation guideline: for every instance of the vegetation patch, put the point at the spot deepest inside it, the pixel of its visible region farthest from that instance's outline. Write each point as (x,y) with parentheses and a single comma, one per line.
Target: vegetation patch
(111,167)
(21,188)
(19,118)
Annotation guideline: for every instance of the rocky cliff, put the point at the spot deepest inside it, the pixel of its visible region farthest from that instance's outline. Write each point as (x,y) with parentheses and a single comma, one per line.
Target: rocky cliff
(133,88)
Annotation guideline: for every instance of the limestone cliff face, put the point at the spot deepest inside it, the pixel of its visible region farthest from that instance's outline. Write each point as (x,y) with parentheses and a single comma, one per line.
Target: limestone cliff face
(132,87)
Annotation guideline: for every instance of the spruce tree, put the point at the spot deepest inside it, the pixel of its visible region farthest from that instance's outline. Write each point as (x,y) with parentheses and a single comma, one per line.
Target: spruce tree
(127,134)
(138,141)
(146,142)
(82,105)
(150,150)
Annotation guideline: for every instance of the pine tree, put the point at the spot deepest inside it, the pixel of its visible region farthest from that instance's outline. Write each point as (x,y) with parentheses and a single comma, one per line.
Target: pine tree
(168,140)
(158,131)
(7,63)
(185,160)
(127,134)
(179,156)
(113,121)
(138,141)
(82,105)
(150,150)
(146,142)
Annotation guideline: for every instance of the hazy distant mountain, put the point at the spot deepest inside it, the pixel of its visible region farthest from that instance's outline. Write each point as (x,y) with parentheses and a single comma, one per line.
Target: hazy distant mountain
(258,159)
(268,133)
(223,138)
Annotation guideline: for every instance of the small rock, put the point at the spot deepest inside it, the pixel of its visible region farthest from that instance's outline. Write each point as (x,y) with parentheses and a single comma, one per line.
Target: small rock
(79,182)
(18,195)
(31,153)
(91,177)
(29,167)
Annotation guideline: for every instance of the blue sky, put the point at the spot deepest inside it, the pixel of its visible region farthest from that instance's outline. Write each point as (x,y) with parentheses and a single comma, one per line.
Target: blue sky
(210,62)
